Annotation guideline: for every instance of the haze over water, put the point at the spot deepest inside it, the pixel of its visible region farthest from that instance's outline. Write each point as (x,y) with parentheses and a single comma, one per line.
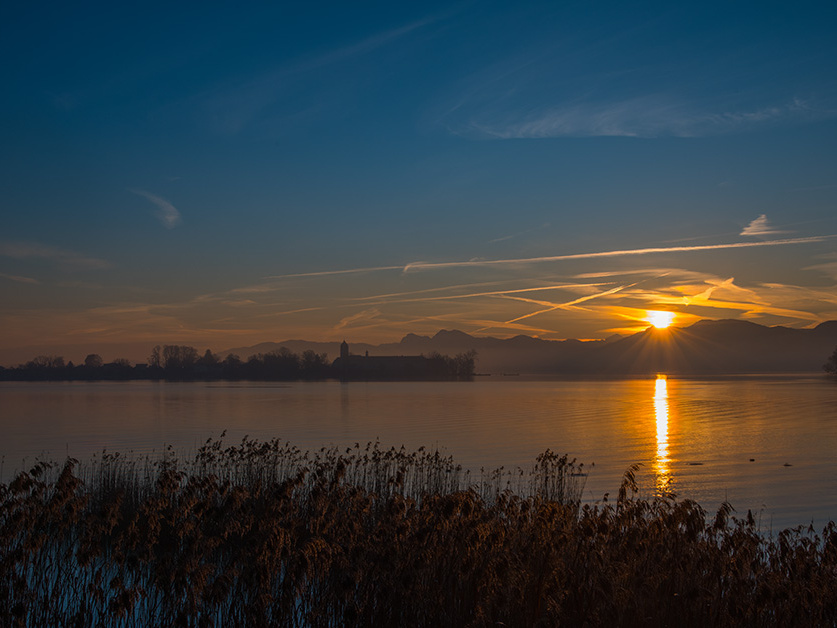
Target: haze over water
(695,437)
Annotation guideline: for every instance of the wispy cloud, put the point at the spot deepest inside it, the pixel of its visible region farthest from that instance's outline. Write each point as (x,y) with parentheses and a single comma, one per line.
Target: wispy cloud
(424,266)
(364,317)
(617,253)
(518,234)
(411,293)
(19,279)
(642,116)
(326,273)
(80,285)
(474,295)
(166,212)
(233,107)
(695,295)
(760,227)
(69,260)
(638,117)
(551,307)
(753,303)
(603,274)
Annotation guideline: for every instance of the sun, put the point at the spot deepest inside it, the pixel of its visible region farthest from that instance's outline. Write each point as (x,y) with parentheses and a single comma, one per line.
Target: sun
(659,319)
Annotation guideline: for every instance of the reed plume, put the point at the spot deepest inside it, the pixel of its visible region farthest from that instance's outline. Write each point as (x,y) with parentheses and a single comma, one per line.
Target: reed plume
(264,534)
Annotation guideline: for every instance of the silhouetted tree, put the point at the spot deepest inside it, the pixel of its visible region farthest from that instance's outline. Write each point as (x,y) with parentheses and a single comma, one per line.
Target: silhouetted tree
(180,362)
(464,364)
(50,367)
(445,367)
(208,359)
(314,365)
(46,362)
(208,366)
(231,367)
(119,369)
(831,364)
(280,364)
(155,360)
(93,361)
(177,359)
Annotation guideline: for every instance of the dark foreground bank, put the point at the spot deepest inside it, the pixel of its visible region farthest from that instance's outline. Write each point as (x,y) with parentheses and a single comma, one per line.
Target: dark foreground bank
(262,534)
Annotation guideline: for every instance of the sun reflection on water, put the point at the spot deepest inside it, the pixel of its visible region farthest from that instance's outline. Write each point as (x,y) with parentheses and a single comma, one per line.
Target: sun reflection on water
(662,472)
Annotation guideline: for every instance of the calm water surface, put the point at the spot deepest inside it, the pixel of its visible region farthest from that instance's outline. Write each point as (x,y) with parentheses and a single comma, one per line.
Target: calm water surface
(697,436)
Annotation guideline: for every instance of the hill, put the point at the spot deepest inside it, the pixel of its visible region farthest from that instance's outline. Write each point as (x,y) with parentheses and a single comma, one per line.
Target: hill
(718,347)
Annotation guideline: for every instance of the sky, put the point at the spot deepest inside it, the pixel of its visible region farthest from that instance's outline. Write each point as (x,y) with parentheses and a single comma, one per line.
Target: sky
(217,175)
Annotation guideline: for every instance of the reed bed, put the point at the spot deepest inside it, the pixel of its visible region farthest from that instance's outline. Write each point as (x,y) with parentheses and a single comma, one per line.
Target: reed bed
(263,534)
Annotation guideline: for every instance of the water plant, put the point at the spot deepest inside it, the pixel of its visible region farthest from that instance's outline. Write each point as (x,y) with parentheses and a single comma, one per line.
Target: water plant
(264,534)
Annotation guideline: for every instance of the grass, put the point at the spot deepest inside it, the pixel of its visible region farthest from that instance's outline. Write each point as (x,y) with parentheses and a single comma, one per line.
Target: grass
(264,534)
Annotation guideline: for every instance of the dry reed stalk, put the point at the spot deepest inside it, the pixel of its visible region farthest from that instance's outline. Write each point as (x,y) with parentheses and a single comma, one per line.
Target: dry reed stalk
(263,534)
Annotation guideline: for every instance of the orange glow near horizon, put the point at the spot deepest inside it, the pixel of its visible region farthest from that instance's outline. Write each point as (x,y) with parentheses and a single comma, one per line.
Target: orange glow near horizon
(659,319)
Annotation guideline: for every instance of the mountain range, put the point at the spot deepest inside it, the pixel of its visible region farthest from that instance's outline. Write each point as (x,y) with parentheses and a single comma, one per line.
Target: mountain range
(705,348)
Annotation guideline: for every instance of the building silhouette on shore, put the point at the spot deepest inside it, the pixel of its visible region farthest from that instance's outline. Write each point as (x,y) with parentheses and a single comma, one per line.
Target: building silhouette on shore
(378,367)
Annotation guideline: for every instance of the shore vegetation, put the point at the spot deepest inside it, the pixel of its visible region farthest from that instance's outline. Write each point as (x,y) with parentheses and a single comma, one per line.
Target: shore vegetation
(185,363)
(264,534)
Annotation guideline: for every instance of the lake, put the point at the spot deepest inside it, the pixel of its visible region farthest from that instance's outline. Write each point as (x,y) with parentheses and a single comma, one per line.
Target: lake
(765,443)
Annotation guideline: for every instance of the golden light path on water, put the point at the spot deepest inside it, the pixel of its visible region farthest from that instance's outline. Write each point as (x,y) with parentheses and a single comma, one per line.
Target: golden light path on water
(662,471)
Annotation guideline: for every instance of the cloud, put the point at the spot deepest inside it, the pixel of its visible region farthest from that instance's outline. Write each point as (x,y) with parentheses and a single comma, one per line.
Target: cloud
(494,293)
(68,259)
(325,273)
(233,107)
(759,227)
(419,266)
(632,118)
(750,302)
(80,285)
(829,267)
(415,266)
(366,316)
(410,293)
(19,279)
(645,116)
(619,273)
(518,234)
(166,212)
(239,302)
(551,307)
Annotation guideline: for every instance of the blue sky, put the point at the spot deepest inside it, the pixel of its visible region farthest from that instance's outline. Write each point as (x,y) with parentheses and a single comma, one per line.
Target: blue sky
(208,175)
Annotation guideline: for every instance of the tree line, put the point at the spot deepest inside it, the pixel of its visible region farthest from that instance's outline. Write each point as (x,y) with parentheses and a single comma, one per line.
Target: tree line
(459,367)
(178,363)
(185,363)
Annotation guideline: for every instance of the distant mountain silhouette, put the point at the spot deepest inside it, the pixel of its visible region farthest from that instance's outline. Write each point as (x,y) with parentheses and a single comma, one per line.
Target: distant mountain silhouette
(705,348)
(724,346)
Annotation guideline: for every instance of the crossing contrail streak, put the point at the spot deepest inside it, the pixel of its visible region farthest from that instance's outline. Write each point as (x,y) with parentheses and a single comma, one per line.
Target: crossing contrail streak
(415,266)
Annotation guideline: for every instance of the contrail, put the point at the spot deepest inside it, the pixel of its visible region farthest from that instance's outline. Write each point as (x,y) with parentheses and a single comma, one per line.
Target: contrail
(618,253)
(413,266)
(324,273)
(559,306)
(385,297)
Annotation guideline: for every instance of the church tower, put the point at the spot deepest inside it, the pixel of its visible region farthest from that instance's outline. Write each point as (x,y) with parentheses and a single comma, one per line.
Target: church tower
(344,351)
